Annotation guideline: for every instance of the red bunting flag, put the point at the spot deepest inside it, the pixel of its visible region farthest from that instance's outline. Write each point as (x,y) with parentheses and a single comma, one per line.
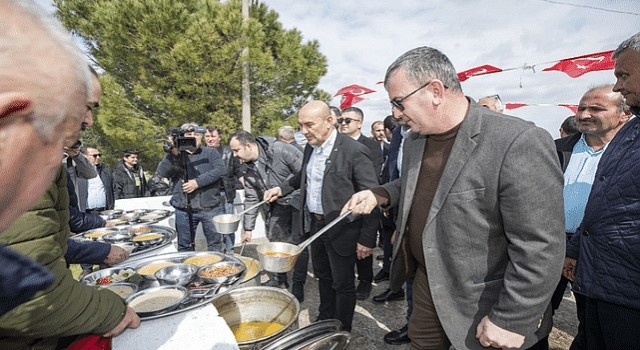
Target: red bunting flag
(514,105)
(349,100)
(577,66)
(355,90)
(481,70)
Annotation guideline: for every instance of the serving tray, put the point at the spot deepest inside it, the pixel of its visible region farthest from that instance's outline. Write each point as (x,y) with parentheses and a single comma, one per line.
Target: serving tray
(169,235)
(204,293)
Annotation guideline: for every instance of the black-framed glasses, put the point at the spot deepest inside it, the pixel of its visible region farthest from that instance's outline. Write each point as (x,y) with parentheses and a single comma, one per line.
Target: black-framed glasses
(96,155)
(346,120)
(398,102)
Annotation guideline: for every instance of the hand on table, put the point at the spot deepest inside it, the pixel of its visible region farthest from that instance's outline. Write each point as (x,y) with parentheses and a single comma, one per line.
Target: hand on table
(116,255)
(130,320)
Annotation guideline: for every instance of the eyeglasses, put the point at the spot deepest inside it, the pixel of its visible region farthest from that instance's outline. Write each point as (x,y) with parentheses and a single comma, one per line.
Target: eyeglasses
(346,120)
(398,102)
(96,155)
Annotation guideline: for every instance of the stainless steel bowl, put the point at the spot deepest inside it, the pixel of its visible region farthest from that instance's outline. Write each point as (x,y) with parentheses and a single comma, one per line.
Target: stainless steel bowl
(116,274)
(226,223)
(142,241)
(120,236)
(130,216)
(179,274)
(234,269)
(157,300)
(110,214)
(149,269)
(123,289)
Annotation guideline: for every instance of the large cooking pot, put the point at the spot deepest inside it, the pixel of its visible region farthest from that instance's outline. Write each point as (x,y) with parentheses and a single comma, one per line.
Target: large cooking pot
(268,305)
(228,223)
(281,257)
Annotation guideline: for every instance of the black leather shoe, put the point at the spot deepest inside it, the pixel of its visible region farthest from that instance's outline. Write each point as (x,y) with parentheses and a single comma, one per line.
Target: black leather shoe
(363,290)
(398,337)
(388,295)
(297,289)
(382,275)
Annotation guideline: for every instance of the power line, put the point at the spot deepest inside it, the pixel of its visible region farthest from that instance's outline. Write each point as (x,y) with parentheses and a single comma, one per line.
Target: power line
(591,7)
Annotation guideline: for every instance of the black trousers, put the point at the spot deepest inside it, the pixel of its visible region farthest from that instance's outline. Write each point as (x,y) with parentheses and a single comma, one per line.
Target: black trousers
(336,279)
(610,326)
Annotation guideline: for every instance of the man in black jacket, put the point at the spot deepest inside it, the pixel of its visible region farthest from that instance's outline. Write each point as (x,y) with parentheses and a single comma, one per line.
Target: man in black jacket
(334,167)
(128,177)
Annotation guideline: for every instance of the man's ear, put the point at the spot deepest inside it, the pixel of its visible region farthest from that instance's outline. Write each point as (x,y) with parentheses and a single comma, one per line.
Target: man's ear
(14,104)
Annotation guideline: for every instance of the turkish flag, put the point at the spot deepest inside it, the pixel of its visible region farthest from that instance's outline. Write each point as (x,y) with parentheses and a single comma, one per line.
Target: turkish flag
(355,90)
(573,108)
(481,70)
(349,100)
(577,66)
(514,105)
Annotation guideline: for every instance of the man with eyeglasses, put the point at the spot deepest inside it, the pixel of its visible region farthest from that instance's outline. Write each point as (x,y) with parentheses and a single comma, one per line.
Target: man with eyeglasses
(480,213)
(493,102)
(96,194)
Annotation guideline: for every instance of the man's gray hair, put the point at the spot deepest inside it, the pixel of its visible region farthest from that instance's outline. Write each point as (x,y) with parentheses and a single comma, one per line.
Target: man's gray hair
(620,101)
(423,64)
(287,132)
(14,42)
(633,43)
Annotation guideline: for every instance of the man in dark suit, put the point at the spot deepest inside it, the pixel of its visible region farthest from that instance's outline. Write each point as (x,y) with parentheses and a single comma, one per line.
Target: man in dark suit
(350,123)
(480,213)
(334,167)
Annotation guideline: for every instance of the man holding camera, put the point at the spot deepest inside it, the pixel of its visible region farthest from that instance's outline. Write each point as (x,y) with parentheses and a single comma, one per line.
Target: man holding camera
(197,174)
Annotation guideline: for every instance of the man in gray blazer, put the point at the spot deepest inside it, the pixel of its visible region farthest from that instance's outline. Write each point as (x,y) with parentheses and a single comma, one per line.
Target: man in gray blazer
(481,222)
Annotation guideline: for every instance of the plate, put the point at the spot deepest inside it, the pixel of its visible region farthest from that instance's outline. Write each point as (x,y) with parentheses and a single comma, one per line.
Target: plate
(136,216)
(168,233)
(200,293)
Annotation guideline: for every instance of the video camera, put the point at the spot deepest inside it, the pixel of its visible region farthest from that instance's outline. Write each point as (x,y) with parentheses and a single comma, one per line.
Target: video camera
(181,142)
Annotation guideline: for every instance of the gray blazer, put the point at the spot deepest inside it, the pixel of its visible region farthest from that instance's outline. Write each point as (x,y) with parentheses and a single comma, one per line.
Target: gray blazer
(494,238)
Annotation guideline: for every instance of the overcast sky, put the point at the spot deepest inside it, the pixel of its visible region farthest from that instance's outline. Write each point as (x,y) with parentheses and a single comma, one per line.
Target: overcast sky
(361,38)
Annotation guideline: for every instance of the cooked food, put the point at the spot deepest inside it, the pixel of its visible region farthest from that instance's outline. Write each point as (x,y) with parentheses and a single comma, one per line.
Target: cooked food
(122,275)
(150,269)
(147,237)
(115,222)
(221,271)
(96,235)
(140,229)
(226,218)
(253,268)
(123,290)
(150,217)
(202,260)
(278,254)
(247,331)
(156,301)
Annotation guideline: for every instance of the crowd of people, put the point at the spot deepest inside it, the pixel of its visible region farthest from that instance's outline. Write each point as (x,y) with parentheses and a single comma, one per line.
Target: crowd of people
(484,220)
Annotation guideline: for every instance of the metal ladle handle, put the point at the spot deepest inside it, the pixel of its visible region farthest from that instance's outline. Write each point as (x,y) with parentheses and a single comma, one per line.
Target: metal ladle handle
(323,230)
(252,207)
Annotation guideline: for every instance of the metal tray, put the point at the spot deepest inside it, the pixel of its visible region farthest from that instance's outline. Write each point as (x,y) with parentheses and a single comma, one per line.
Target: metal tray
(170,235)
(192,301)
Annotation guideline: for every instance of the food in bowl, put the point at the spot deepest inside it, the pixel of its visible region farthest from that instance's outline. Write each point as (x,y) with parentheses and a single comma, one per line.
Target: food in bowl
(124,290)
(150,269)
(247,331)
(146,237)
(138,229)
(117,276)
(220,271)
(156,300)
(278,254)
(203,260)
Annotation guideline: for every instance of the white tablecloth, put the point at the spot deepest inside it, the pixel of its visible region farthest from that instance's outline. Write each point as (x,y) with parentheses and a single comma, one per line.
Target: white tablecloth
(199,329)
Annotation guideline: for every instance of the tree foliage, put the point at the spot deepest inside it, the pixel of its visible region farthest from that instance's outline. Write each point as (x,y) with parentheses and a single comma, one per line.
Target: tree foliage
(168,62)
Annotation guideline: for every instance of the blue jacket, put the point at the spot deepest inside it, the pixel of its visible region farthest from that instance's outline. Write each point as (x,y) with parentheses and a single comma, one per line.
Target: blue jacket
(607,245)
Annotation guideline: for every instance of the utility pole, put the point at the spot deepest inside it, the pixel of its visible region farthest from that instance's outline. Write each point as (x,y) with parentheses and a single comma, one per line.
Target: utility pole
(246,91)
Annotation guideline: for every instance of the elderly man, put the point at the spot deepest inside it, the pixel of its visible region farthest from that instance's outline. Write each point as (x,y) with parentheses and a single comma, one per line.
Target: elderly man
(601,114)
(606,245)
(196,194)
(334,167)
(43,90)
(480,213)
(492,102)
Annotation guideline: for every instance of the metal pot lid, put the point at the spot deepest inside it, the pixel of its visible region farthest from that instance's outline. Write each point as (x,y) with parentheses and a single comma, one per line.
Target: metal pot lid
(327,341)
(304,334)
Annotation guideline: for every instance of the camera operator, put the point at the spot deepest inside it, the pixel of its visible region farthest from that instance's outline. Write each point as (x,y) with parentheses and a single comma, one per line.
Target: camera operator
(197,174)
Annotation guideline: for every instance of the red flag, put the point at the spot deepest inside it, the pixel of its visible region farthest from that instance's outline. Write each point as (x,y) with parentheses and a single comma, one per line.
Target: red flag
(355,90)
(514,105)
(349,100)
(573,108)
(481,70)
(577,66)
